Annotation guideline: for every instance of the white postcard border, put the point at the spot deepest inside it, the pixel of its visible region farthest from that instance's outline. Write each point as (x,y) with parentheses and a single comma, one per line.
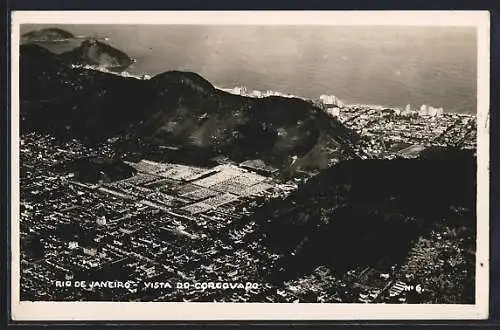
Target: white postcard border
(153,311)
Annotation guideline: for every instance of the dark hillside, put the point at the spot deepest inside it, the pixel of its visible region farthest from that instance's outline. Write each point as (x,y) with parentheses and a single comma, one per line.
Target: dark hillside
(369,212)
(93,170)
(88,104)
(99,54)
(177,108)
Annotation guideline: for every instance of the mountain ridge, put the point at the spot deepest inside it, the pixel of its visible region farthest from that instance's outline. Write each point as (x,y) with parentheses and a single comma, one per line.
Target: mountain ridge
(180,108)
(47,35)
(95,53)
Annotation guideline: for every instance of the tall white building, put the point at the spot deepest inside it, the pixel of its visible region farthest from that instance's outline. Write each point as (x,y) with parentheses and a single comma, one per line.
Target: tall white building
(101,221)
(423,110)
(92,251)
(431,111)
(330,100)
(73,245)
(334,111)
(257,93)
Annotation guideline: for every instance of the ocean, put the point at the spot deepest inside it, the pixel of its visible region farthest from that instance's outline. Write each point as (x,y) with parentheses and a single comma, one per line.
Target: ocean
(391,66)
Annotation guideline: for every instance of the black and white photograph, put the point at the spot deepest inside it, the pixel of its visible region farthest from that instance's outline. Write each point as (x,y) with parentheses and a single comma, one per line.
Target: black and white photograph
(302,163)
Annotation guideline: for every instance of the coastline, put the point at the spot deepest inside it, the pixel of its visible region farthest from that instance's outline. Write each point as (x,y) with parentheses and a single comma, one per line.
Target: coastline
(329,104)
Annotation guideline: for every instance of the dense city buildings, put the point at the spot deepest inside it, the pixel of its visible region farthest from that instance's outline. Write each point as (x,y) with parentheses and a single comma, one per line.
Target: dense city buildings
(391,132)
(156,229)
(167,221)
(142,180)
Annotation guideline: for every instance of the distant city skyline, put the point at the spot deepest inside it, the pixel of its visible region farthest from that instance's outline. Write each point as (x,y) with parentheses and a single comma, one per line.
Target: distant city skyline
(391,66)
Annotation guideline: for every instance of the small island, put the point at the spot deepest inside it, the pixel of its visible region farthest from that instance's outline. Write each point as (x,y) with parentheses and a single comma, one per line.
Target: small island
(48,35)
(97,54)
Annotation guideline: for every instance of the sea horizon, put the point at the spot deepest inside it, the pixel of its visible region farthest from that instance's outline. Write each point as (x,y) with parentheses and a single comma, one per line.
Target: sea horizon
(359,65)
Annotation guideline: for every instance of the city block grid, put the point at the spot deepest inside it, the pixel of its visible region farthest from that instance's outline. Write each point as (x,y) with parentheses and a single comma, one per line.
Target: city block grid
(174,232)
